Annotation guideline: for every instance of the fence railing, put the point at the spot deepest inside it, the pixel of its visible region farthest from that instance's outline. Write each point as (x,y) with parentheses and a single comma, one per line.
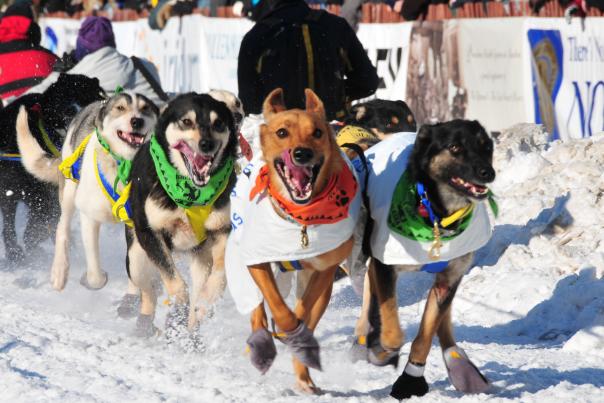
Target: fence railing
(380,13)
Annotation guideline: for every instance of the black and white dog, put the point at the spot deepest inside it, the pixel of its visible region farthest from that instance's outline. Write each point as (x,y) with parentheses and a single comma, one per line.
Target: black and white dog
(181,182)
(46,116)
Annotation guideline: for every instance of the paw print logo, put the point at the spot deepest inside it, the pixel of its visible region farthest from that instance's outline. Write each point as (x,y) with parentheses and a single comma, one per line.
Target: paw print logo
(342,198)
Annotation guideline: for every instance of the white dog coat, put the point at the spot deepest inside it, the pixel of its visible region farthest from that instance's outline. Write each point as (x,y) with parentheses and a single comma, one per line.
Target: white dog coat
(387,162)
(260,235)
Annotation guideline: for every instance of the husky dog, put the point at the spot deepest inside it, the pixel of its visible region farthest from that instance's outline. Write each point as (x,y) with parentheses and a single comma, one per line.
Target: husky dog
(181,182)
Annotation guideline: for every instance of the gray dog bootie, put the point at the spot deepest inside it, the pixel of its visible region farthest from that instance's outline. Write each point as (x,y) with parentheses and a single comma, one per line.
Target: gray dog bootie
(262,349)
(129,306)
(85,283)
(304,346)
(145,327)
(463,374)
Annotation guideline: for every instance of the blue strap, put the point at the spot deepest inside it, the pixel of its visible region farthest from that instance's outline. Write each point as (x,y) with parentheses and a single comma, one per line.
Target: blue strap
(421,191)
(76,168)
(435,267)
(4,157)
(108,187)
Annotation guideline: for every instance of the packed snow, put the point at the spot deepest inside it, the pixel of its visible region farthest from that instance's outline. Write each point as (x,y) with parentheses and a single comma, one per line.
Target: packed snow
(530,314)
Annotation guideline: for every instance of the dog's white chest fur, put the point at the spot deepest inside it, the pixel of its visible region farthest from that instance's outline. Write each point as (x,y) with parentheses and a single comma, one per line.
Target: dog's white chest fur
(90,198)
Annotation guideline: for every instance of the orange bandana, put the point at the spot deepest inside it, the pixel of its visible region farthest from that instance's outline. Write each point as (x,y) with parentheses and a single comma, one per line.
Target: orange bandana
(328,207)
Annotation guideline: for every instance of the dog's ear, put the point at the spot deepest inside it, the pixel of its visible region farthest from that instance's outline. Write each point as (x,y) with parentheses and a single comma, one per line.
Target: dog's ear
(274,103)
(314,104)
(100,116)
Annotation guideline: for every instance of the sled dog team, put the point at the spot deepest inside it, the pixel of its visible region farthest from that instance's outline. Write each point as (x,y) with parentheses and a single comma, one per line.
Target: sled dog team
(304,203)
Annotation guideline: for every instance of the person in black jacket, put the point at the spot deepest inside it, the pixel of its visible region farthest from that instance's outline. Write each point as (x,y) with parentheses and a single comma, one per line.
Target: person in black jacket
(294,47)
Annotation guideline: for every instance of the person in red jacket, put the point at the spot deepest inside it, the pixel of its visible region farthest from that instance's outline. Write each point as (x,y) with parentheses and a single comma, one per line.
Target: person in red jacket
(23,62)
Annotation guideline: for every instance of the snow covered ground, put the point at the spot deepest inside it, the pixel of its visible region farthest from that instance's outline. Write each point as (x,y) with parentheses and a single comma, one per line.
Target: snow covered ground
(530,315)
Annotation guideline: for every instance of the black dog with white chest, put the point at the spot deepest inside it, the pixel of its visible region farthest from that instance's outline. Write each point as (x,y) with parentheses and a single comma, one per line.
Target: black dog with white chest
(48,115)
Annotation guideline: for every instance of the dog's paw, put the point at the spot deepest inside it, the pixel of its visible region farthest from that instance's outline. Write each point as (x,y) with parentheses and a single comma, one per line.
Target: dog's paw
(95,283)
(145,327)
(262,350)
(304,346)
(407,386)
(177,321)
(307,386)
(129,306)
(58,276)
(358,351)
(381,357)
(463,374)
(14,254)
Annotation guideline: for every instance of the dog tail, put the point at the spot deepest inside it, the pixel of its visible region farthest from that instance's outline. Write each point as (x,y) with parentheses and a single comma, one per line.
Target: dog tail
(33,157)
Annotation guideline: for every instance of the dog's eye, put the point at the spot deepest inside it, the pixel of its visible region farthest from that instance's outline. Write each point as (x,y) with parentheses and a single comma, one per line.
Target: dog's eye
(237,104)
(145,108)
(120,108)
(186,122)
(317,134)
(282,133)
(218,125)
(455,148)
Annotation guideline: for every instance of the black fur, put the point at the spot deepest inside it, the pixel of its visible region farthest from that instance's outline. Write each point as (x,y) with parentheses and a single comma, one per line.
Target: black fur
(384,116)
(145,183)
(56,107)
(473,163)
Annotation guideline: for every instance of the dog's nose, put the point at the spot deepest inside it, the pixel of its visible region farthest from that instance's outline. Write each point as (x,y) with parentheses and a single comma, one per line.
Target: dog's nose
(137,123)
(486,173)
(206,145)
(303,155)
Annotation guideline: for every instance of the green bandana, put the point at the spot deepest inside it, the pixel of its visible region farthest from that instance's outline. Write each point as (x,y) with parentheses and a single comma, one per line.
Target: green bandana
(181,189)
(404,219)
(124,166)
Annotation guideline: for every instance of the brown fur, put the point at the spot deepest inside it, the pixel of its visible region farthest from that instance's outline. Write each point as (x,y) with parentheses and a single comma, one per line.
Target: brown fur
(300,124)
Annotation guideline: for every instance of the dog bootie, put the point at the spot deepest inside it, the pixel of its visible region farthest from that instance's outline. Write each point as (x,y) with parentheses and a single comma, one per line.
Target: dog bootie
(145,327)
(410,383)
(94,287)
(358,350)
(262,350)
(463,374)
(129,306)
(381,357)
(304,346)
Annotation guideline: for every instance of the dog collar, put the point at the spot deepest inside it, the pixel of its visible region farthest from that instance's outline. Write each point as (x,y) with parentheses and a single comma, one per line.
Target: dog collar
(181,189)
(124,166)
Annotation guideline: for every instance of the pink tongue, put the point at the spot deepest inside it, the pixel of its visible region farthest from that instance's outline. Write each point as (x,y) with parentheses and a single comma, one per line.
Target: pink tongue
(300,176)
(198,161)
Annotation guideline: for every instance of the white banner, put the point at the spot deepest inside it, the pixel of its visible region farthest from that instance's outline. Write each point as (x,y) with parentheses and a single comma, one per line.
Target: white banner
(499,71)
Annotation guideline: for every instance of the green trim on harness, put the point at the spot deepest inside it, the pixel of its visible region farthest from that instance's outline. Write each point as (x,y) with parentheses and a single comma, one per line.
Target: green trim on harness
(181,189)
(404,220)
(47,141)
(124,166)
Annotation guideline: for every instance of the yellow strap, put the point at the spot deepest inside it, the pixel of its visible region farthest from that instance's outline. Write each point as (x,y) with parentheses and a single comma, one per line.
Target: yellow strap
(352,134)
(10,155)
(53,149)
(100,182)
(65,166)
(288,266)
(197,216)
(309,57)
(119,207)
(458,215)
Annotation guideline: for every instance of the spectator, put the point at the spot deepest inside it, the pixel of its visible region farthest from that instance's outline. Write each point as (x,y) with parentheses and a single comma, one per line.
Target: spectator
(280,52)
(23,62)
(96,56)
(413,9)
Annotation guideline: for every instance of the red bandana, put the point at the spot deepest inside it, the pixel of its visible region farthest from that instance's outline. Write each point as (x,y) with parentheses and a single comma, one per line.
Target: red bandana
(329,207)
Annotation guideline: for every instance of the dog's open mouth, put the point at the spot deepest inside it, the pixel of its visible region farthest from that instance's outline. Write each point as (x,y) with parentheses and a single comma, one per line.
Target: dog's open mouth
(131,138)
(471,189)
(197,164)
(299,180)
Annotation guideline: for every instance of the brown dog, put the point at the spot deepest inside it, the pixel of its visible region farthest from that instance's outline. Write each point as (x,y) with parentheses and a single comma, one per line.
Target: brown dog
(305,180)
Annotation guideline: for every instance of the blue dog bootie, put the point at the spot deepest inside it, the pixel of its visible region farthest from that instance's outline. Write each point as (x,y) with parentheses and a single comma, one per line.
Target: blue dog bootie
(463,374)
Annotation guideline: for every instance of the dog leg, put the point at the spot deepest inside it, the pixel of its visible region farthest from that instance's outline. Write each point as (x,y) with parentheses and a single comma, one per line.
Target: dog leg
(14,253)
(310,308)
(358,351)
(261,344)
(382,280)
(130,304)
(60,263)
(215,284)
(94,278)
(200,271)
(141,275)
